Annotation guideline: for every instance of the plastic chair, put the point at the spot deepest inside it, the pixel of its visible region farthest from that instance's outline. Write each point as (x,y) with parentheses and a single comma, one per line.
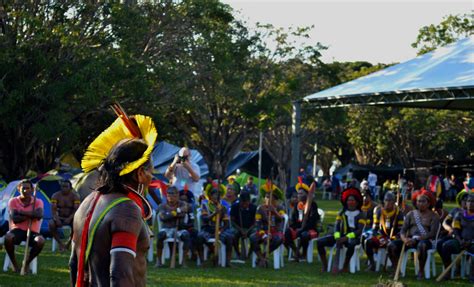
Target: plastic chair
(326,194)
(278,261)
(430,262)
(54,245)
(465,265)
(33,265)
(222,249)
(354,263)
(309,251)
(166,254)
(380,259)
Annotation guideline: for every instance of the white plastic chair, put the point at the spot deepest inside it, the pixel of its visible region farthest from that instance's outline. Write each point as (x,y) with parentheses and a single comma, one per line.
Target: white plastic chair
(326,194)
(278,261)
(354,263)
(166,254)
(222,249)
(380,258)
(309,251)
(54,245)
(430,262)
(465,265)
(33,265)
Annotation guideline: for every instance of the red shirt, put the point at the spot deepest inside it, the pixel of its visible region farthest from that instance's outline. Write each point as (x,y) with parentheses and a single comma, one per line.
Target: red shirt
(15,203)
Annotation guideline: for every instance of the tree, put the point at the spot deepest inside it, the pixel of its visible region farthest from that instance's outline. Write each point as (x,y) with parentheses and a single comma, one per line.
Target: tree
(451,29)
(59,68)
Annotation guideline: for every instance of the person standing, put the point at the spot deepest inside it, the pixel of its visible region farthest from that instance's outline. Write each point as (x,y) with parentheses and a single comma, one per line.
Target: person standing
(64,204)
(22,212)
(183,172)
(111,237)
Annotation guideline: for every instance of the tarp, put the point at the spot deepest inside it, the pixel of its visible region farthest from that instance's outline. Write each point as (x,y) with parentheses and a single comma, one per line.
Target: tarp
(362,171)
(164,152)
(443,78)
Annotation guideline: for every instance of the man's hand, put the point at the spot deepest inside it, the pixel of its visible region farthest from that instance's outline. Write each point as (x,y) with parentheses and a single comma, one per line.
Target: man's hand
(341,241)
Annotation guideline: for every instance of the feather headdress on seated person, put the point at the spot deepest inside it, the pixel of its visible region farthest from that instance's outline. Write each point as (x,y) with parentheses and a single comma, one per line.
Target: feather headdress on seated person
(351,191)
(301,185)
(212,187)
(268,187)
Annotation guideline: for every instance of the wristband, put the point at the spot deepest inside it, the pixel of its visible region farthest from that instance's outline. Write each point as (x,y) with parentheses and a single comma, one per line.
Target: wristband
(337,235)
(351,235)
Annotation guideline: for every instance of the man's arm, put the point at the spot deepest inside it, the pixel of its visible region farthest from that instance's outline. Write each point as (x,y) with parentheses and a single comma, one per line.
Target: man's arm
(170,170)
(54,206)
(125,227)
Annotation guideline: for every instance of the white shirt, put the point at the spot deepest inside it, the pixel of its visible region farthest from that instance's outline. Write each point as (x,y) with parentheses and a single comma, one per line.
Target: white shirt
(182,177)
(372,179)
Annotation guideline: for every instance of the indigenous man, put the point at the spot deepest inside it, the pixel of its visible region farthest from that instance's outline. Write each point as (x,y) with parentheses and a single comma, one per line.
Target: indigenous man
(242,218)
(111,238)
(386,229)
(209,214)
(188,221)
(64,204)
(172,215)
(22,212)
(420,227)
(299,227)
(349,225)
(269,214)
(461,199)
(463,236)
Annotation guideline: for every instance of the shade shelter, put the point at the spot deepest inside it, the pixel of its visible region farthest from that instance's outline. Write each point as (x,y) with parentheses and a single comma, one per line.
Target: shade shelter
(441,79)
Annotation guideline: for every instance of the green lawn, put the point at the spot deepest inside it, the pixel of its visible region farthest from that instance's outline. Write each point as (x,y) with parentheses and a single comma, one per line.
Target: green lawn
(53,271)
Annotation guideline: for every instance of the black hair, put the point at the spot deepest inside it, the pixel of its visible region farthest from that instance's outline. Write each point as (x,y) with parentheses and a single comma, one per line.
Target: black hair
(244,196)
(66,181)
(23,181)
(124,152)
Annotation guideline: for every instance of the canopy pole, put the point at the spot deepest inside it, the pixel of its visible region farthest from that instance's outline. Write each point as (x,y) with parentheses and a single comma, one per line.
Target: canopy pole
(295,142)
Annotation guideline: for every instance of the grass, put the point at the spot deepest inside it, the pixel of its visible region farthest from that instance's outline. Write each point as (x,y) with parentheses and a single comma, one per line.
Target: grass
(53,271)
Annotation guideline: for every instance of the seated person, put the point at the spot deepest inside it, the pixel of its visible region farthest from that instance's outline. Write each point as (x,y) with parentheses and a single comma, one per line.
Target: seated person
(302,226)
(22,211)
(269,220)
(188,221)
(172,215)
(463,226)
(447,226)
(388,221)
(211,211)
(64,204)
(242,218)
(420,227)
(349,225)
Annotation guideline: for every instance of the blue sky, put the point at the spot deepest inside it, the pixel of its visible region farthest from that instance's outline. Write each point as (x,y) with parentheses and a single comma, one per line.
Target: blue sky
(376,31)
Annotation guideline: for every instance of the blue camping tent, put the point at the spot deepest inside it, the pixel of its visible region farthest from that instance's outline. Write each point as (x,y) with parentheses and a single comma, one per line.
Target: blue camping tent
(164,152)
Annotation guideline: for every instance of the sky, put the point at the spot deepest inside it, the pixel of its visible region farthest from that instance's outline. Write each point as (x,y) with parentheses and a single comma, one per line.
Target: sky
(375,31)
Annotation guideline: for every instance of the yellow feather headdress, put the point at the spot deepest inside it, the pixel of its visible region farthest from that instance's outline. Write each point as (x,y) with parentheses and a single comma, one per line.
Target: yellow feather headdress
(99,149)
(268,187)
(214,185)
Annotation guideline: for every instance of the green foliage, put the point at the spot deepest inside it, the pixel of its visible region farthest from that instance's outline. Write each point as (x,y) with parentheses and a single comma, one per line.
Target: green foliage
(451,29)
